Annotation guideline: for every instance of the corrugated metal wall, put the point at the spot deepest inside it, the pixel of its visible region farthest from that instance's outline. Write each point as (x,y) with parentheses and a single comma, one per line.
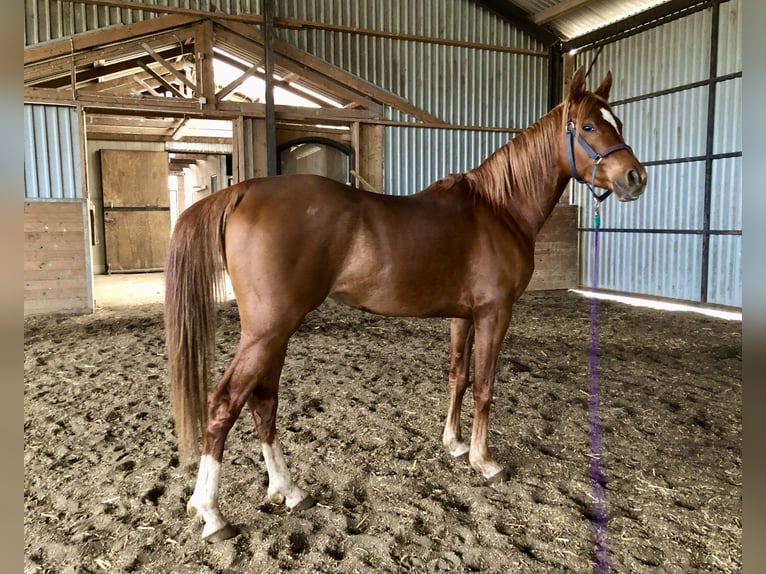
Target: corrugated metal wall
(460,85)
(52,19)
(682,239)
(51,153)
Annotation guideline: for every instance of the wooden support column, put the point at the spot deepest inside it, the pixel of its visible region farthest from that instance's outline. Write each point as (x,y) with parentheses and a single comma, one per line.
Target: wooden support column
(271,124)
(567,72)
(203,45)
(370,156)
(355,145)
(556,76)
(248,160)
(238,144)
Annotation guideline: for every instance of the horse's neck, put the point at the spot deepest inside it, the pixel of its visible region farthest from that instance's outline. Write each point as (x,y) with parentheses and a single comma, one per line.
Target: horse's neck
(524,178)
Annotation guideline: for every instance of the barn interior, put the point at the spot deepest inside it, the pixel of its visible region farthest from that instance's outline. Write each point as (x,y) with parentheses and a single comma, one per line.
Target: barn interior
(134,110)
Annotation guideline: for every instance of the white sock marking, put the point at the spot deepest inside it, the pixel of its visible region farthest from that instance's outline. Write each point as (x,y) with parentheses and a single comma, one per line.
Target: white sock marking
(455,447)
(204,501)
(281,485)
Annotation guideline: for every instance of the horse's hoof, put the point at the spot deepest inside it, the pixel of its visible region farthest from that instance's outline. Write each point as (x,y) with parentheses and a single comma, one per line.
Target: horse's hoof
(499,477)
(304,504)
(462,457)
(224,533)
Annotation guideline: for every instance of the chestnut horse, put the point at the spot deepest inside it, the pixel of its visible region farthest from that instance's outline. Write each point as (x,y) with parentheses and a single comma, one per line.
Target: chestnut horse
(462,248)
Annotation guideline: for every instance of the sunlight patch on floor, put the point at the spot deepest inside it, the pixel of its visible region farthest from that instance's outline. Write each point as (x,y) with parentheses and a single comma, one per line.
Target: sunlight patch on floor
(662,305)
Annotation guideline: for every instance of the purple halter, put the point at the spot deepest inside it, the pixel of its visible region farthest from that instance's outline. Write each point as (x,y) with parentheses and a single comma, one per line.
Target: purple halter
(596,157)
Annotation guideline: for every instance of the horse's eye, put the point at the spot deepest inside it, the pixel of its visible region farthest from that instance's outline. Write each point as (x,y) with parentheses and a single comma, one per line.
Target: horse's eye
(589,128)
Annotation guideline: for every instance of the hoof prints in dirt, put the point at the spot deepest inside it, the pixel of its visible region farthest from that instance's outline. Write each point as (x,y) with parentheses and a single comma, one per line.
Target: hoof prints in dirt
(362,408)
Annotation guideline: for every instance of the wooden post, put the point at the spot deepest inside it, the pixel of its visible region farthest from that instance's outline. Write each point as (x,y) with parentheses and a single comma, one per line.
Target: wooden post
(567,72)
(271,123)
(357,152)
(203,42)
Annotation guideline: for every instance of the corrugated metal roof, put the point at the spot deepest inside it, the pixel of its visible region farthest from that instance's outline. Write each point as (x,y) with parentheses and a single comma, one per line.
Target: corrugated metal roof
(573,18)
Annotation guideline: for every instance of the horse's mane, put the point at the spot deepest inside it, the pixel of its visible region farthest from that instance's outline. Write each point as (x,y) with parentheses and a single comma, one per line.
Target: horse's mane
(515,168)
(521,173)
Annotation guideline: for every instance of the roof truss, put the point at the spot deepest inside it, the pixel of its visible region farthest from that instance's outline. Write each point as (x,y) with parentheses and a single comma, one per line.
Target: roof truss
(166,64)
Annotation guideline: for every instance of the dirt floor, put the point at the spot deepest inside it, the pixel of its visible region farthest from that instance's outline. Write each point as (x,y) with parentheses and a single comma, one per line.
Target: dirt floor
(363,400)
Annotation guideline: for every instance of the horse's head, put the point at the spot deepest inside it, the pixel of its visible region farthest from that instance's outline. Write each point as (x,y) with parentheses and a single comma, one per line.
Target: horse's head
(595,150)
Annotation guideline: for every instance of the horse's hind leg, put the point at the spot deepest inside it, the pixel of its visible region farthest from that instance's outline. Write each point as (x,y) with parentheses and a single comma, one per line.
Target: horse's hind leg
(263,405)
(461,343)
(255,363)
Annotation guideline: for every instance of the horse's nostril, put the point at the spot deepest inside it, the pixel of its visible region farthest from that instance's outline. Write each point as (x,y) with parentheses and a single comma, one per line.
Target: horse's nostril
(633,177)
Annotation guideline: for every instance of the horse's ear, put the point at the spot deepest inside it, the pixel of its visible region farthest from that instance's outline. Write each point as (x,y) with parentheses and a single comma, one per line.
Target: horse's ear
(577,85)
(605,86)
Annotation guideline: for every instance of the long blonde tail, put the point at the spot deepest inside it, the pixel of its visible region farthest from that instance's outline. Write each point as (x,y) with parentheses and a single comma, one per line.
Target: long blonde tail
(194,283)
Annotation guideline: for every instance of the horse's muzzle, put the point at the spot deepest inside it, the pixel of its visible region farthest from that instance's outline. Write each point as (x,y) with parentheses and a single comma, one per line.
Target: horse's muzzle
(631,184)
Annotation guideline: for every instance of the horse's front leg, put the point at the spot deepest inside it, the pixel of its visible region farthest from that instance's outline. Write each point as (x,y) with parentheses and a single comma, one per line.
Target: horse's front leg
(490,331)
(461,343)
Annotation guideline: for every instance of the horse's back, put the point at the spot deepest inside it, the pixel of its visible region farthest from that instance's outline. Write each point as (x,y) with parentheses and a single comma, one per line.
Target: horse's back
(294,240)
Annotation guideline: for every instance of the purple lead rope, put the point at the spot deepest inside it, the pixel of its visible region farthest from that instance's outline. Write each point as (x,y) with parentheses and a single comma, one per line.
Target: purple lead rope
(594,422)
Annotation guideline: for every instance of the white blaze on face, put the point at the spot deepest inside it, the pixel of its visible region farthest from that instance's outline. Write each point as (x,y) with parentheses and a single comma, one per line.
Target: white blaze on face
(607,115)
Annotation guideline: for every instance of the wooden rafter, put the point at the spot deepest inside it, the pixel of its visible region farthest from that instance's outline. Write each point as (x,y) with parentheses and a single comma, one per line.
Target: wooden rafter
(283,84)
(171,45)
(128,56)
(79,42)
(123,83)
(163,82)
(143,83)
(506,9)
(162,61)
(176,135)
(336,74)
(236,82)
(110,73)
(239,45)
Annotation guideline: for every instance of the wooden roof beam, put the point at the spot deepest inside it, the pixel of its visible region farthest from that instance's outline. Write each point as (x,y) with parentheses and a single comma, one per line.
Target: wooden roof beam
(58,72)
(163,82)
(165,64)
(234,84)
(115,34)
(142,83)
(124,83)
(253,72)
(238,45)
(308,61)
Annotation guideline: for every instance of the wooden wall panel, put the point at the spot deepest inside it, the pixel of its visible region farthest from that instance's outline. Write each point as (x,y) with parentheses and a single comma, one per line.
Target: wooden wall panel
(139,238)
(56,276)
(131,177)
(556,252)
(136,209)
